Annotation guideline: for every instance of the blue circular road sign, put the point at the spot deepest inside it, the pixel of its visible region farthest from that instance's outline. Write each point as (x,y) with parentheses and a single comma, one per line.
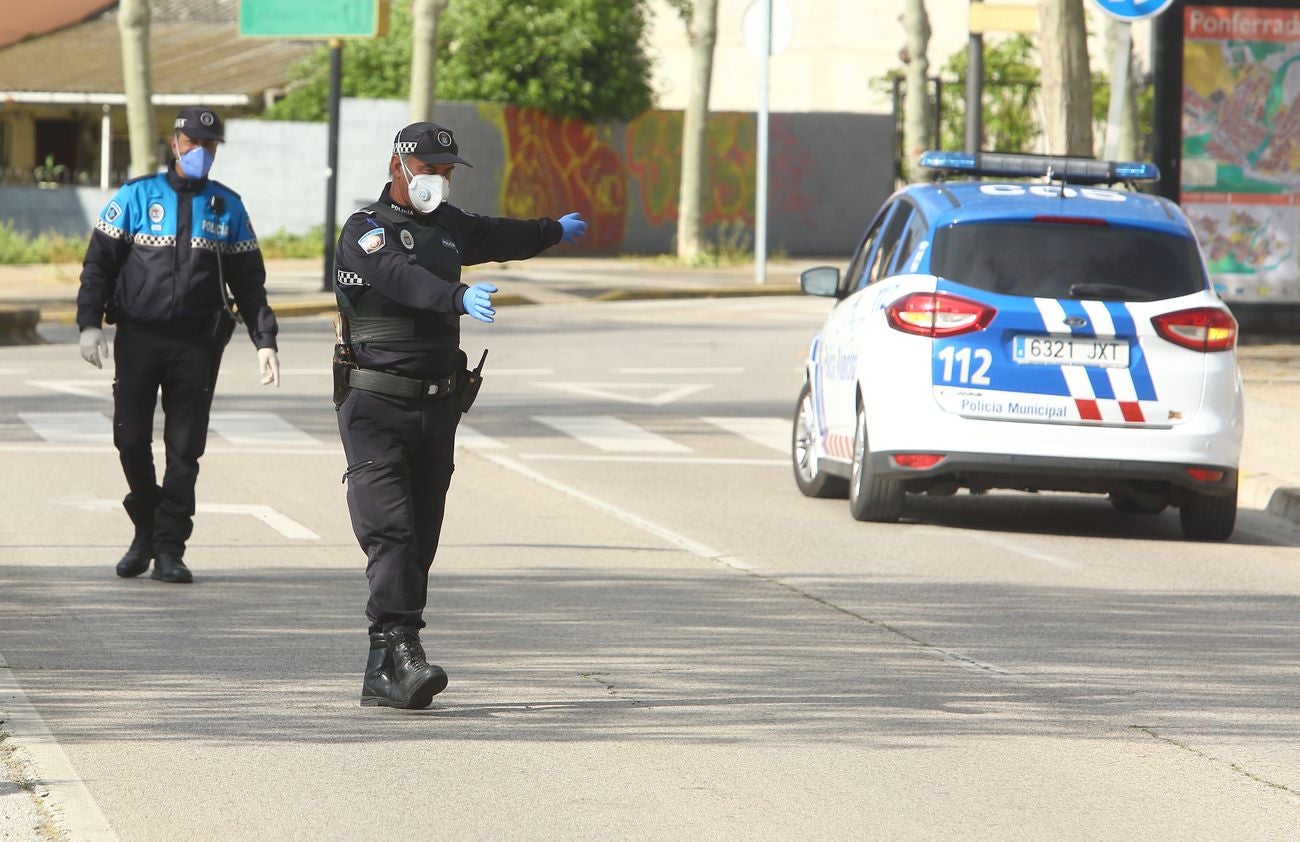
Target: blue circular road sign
(1131,10)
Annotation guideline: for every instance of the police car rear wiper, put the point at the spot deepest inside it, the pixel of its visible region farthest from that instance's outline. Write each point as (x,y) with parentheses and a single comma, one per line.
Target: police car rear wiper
(1099,290)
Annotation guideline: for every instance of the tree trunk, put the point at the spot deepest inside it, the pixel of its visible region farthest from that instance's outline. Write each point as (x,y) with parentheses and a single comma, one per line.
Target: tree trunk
(916,108)
(424,57)
(702,31)
(1067,84)
(1127,146)
(133,24)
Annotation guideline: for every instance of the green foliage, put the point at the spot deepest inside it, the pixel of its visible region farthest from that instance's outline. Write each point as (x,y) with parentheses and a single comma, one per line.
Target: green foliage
(16,247)
(1146,98)
(282,245)
(571,58)
(1011,80)
(375,68)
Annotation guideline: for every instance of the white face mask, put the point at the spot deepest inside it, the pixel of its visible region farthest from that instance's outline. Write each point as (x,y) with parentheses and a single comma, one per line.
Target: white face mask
(427,191)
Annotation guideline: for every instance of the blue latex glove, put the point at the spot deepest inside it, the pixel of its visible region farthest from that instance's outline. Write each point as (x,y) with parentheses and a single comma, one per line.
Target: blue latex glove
(478,302)
(574,227)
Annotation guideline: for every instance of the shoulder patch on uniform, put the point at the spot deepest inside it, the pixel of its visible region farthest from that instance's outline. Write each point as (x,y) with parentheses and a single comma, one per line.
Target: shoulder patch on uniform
(112,212)
(372,241)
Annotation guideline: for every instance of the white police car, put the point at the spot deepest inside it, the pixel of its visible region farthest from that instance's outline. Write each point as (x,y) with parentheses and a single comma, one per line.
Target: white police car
(1052,335)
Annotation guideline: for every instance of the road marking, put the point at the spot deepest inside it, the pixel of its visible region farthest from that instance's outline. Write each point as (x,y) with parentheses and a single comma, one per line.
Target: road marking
(70,427)
(474,440)
(658,460)
(76,812)
(610,434)
(257,428)
(660,393)
(773,433)
(99,390)
(683,370)
(1019,549)
(37,447)
(285,525)
(707,553)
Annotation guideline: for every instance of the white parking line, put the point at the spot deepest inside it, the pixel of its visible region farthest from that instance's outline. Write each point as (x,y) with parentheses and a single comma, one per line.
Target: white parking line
(75,809)
(610,434)
(772,433)
(70,427)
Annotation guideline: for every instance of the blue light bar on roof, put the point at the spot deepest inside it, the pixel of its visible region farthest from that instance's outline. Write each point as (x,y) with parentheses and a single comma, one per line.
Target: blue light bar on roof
(1058,168)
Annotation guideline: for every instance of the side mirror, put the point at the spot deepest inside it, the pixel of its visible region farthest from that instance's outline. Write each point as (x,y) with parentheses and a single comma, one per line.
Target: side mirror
(821,280)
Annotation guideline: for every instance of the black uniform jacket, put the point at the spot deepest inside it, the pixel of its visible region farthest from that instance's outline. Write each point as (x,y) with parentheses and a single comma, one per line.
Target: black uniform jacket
(377,256)
(152,259)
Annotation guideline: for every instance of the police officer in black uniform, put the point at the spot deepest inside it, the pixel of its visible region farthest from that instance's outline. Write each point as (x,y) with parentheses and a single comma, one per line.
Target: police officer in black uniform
(401,381)
(163,253)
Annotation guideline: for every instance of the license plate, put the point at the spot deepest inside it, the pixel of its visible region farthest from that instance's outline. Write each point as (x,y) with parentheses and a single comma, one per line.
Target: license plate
(1070,350)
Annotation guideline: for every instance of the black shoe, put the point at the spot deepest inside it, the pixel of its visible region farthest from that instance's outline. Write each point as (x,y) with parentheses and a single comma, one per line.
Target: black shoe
(171,568)
(137,557)
(398,676)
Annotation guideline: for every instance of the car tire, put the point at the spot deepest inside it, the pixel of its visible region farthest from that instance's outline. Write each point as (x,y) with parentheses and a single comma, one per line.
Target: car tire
(1130,506)
(871,497)
(1209,517)
(803,454)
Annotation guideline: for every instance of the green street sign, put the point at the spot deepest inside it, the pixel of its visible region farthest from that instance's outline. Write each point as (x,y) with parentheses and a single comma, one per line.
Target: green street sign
(313,18)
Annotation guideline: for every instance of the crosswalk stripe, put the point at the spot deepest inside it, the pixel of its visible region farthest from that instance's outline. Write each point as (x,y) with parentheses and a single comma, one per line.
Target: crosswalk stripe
(256,428)
(610,434)
(470,438)
(70,427)
(772,433)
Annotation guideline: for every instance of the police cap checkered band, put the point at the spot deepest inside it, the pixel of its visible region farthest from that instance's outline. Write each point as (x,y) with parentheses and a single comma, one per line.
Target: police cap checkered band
(200,123)
(430,143)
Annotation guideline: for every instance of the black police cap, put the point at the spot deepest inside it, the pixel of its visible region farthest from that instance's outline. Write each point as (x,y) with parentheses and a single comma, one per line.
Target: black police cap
(200,123)
(430,143)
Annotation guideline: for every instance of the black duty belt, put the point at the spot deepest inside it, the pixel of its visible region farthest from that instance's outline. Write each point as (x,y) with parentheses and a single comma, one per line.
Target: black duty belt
(400,387)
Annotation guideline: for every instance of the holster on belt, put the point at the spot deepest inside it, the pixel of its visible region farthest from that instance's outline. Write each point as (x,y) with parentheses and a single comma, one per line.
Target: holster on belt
(470,381)
(343,361)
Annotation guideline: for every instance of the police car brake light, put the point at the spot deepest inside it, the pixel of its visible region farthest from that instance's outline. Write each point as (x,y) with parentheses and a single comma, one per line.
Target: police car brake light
(1208,475)
(1072,170)
(938,314)
(917,461)
(1200,329)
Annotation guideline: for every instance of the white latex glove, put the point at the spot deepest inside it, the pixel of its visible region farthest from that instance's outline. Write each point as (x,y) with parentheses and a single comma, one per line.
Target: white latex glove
(94,347)
(269,363)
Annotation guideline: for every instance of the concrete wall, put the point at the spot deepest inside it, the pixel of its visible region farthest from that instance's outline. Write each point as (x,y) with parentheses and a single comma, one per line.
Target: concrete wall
(828,172)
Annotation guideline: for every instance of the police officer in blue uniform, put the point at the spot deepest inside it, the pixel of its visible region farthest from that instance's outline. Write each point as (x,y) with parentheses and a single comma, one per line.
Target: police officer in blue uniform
(401,381)
(163,254)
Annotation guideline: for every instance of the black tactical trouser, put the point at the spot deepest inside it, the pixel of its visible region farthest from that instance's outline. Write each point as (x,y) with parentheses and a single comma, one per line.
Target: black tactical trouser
(400,454)
(185,368)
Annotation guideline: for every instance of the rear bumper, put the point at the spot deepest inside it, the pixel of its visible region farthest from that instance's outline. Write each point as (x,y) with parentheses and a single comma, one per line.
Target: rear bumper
(1050,473)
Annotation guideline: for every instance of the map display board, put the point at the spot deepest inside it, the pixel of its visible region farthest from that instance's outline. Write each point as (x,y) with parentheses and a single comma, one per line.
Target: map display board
(1240,174)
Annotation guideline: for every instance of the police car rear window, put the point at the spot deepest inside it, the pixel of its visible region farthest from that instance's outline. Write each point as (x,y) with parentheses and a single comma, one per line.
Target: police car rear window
(1068,260)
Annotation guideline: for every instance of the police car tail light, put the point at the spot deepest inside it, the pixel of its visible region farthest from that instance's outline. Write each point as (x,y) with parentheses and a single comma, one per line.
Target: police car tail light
(1205,474)
(917,461)
(938,314)
(1201,329)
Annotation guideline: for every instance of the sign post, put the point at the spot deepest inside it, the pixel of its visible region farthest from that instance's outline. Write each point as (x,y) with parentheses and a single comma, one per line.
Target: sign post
(1124,12)
(333,20)
(766,27)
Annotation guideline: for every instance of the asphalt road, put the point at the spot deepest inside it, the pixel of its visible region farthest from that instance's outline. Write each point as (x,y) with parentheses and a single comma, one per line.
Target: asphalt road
(649,632)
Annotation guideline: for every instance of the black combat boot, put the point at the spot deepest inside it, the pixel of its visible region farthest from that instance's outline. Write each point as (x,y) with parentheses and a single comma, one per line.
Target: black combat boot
(171,568)
(377,686)
(402,676)
(138,555)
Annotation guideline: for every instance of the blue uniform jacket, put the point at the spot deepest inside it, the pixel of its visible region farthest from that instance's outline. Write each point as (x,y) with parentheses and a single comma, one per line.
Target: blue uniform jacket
(137,271)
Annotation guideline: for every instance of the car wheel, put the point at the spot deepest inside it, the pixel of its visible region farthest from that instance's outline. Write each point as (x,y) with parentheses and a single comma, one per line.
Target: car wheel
(870,497)
(1131,506)
(1209,517)
(803,453)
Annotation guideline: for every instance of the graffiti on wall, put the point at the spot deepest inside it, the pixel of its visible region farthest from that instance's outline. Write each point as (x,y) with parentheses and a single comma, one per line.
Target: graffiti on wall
(554,166)
(654,153)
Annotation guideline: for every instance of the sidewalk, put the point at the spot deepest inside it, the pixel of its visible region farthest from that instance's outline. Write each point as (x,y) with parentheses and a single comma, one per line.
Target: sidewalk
(294,287)
(1270,462)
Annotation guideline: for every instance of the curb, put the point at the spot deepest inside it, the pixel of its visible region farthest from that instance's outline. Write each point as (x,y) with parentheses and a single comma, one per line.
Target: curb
(1285,503)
